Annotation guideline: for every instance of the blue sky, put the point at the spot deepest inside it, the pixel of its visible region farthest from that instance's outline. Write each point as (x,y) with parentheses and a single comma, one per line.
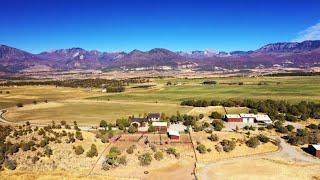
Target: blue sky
(114,25)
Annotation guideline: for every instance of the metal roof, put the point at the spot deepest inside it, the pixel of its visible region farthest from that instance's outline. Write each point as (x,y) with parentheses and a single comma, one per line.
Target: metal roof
(174,133)
(159,124)
(316,146)
(233,116)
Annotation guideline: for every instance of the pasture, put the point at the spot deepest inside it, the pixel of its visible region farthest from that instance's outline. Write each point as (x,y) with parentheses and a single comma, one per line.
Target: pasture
(88,112)
(91,106)
(292,89)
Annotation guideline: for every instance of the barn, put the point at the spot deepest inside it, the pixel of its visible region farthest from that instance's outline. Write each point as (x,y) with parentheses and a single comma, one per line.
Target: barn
(160,126)
(314,149)
(174,135)
(232,118)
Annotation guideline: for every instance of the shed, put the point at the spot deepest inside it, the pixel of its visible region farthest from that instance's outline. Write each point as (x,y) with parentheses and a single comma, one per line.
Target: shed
(314,149)
(174,135)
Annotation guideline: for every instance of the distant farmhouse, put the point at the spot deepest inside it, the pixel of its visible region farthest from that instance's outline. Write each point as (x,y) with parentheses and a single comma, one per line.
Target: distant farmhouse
(140,122)
(248,118)
(154,119)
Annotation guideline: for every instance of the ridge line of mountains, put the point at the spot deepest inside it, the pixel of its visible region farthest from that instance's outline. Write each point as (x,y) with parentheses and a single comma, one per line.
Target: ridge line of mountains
(305,54)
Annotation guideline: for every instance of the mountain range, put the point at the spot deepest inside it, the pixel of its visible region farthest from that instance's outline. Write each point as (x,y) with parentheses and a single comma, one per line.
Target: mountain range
(287,54)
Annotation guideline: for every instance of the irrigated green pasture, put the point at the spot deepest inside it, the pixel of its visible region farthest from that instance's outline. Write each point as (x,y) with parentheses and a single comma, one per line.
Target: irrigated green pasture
(292,89)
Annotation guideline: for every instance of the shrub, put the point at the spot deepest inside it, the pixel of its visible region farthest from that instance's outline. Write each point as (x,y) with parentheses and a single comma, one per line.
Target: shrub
(290,127)
(78,150)
(47,151)
(132,129)
(312,126)
(115,151)
(253,142)
(262,138)
(201,149)
(158,155)
(93,151)
(43,142)
(173,151)
(213,137)
(35,159)
(123,160)
(10,164)
(79,135)
(217,125)
(145,159)
(228,145)
(152,129)
(153,147)
(282,129)
(131,149)
(216,115)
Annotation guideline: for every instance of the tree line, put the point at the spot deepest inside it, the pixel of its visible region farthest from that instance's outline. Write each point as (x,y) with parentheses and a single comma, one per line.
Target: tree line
(84,83)
(279,110)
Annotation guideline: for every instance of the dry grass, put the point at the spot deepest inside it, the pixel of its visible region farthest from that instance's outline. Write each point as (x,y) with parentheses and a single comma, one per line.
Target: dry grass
(241,148)
(89,112)
(261,169)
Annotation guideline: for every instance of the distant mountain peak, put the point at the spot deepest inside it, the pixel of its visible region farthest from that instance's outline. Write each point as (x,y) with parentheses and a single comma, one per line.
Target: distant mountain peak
(282,47)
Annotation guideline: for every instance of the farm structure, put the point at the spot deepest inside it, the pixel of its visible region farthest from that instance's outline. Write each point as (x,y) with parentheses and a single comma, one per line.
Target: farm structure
(174,135)
(248,118)
(160,126)
(314,149)
(141,122)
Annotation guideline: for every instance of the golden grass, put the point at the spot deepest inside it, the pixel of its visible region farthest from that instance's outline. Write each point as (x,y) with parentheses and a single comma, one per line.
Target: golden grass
(261,169)
(89,112)
(241,148)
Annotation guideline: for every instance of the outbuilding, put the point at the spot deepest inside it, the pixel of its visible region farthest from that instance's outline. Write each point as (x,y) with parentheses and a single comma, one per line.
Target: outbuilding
(263,118)
(232,118)
(314,149)
(160,126)
(174,135)
(248,118)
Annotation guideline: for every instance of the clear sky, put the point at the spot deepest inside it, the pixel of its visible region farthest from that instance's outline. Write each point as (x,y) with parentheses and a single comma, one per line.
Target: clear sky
(113,25)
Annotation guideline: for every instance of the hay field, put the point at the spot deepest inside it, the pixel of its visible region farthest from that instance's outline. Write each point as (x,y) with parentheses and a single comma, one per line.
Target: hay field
(28,94)
(88,111)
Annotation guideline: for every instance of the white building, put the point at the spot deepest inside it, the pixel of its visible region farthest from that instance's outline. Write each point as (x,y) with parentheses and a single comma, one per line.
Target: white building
(248,118)
(263,118)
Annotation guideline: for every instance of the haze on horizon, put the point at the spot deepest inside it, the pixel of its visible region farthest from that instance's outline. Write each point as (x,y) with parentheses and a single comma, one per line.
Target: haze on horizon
(227,25)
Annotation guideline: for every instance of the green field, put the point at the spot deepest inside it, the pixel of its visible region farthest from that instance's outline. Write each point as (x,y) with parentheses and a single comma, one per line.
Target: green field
(89,107)
(292,89)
